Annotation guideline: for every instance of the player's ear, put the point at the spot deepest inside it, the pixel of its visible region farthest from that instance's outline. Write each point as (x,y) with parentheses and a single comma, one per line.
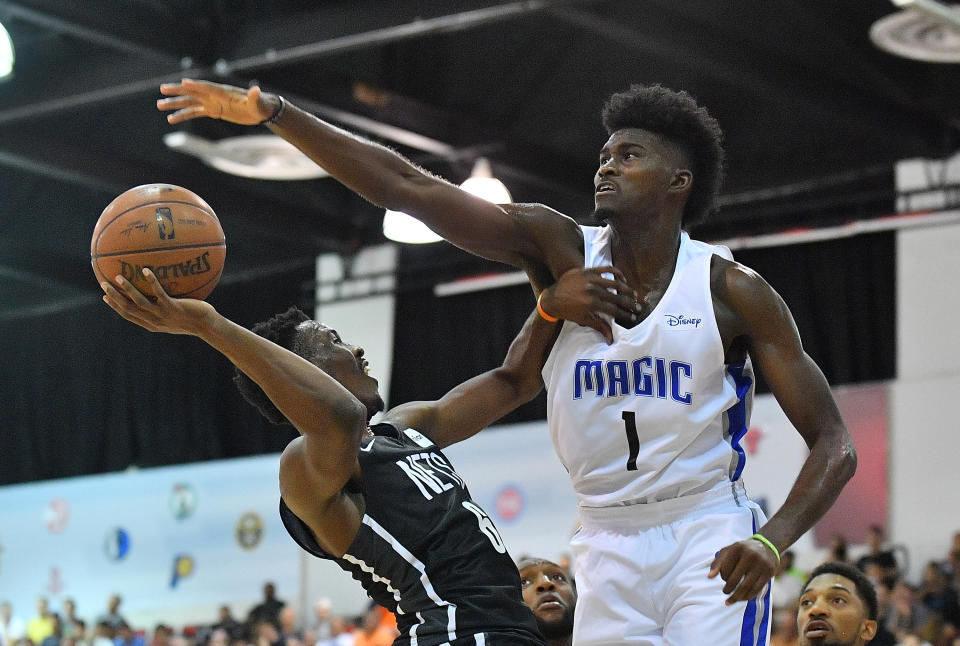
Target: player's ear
(682,180)
(869,630)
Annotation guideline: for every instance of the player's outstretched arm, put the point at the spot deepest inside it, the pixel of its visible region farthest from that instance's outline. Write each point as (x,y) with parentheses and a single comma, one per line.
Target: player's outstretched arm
(330,418)
(479,402)
(373,171)
(804,395)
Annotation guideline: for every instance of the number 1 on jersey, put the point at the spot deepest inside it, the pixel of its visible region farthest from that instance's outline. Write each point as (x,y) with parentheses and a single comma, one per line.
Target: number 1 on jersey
(633,442)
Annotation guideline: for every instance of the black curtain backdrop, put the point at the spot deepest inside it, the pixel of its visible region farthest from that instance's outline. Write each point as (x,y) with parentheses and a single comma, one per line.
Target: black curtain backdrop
(92,393)
(841,293)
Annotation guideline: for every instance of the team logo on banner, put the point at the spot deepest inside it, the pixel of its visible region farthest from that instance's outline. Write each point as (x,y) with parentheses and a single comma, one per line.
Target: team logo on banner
(183,501)
(116,545)
(57,515)
(509,503)
(249,530)
(182,568)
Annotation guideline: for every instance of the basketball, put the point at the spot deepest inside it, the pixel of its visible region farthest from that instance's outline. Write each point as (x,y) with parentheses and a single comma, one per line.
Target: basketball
(167,229)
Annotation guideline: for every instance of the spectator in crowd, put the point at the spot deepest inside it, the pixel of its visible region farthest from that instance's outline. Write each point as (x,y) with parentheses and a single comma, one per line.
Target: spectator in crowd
(103,634)
(881,557)
(112,616)
(40,626)
(905,614)
(787,584)
(161,635)
(268,609)
(939,596)
(265,633)
(219,637)
(952,564)
(884,636)
(340,635)
(838,550)
(838,606)
(73,626)
(322,618)
(127,637)
(373,631)
(551,594)
(78,632)
(227,623)
(288,626)
(783,629)
(12,627)
(54,638)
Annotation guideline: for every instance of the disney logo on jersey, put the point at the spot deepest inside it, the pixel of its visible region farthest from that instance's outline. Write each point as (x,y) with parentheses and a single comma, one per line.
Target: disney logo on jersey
(431,473)
(683,321)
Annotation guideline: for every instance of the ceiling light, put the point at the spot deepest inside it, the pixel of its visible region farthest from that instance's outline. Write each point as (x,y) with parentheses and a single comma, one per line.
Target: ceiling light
(483,184)
(256,156)
(924,30)
(6,53)
(400,227)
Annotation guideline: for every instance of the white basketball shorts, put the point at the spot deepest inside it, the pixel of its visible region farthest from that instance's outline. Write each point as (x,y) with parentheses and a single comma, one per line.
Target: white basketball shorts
(641,573)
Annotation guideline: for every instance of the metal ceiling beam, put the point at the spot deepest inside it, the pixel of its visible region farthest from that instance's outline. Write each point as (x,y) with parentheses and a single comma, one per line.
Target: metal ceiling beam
(85,33)
(723,71)
(387,35)
(415,29)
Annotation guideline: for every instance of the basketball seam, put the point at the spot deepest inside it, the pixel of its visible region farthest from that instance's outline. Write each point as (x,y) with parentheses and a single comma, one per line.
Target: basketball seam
(222,243)
(122,213)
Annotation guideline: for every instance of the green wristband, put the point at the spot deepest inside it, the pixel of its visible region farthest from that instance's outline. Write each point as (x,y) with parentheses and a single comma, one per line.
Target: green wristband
(763,539)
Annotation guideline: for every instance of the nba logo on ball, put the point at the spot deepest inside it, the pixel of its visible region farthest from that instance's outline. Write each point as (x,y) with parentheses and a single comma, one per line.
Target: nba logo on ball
(509,503)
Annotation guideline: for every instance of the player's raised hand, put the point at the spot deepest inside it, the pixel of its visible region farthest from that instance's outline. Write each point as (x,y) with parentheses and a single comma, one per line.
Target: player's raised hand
(190,99)
(155,310)
(745,567)
(583,295)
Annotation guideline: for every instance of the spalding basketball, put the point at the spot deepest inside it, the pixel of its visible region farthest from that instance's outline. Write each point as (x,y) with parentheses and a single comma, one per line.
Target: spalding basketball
(165,228)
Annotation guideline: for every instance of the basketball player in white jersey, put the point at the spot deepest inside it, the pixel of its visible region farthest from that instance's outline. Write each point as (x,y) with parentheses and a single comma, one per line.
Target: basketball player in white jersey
(647,412)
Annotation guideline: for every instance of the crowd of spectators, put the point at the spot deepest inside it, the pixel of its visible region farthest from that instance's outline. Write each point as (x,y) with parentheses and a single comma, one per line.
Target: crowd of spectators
(918,613)
(925,612)
(271,622)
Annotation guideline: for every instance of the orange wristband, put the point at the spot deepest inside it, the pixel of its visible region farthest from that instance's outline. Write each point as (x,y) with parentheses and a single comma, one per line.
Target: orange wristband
(542,313)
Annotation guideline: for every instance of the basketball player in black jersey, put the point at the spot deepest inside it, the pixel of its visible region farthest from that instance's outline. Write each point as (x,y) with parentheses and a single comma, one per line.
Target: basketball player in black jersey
(384,503)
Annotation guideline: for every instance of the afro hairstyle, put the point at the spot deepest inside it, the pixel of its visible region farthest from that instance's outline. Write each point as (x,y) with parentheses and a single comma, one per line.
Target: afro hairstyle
(282,330)
(676,117)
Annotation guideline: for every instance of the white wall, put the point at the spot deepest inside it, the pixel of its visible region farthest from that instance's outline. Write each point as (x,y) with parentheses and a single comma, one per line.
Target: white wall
(925,424)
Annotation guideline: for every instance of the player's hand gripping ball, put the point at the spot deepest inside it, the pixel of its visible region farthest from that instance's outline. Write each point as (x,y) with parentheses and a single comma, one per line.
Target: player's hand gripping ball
(165,228)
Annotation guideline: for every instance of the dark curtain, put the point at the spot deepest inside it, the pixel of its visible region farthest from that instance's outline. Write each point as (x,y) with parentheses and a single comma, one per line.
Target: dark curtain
(92,393)
(841,293)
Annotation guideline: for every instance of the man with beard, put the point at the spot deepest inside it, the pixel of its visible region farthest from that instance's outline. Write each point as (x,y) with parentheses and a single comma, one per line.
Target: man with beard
(838,606)
(552,595)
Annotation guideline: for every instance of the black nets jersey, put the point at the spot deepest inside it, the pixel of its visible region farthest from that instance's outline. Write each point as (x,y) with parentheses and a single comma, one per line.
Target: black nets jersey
(426,551)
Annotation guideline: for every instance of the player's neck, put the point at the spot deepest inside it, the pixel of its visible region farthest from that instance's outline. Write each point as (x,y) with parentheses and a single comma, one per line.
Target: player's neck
(561,641)
(647,258)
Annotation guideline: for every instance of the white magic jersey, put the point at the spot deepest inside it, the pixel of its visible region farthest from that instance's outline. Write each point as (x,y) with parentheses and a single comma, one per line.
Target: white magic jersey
(657,414)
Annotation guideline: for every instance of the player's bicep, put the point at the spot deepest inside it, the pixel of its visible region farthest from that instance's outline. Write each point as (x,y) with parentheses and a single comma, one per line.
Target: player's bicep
(774,343)
(312,474)
(465,410)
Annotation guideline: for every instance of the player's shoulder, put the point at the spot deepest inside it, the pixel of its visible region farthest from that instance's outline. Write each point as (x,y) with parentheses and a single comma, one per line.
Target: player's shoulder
(537,215)
(736,285)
